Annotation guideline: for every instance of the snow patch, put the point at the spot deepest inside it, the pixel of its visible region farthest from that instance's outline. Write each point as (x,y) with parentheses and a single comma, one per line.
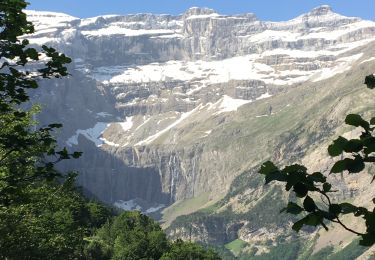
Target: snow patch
(344,65)
(368,60)
(93,134)
(128,124)
(109,142)
(265,95)
(229,104)
(103,114)
(202,16)
(183,116)
(117,30)
(154,209)
(127,205)
(133,205)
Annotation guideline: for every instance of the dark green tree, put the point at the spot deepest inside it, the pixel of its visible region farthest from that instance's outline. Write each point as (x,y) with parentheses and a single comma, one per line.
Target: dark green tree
(42,216)
(356,153)
(26,155)
(130,235)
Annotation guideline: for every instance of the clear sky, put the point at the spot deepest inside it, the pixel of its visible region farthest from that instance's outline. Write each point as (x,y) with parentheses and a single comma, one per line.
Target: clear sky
(275,10)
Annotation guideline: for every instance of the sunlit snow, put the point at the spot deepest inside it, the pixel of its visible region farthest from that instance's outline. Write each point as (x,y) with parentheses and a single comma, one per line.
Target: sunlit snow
(265,95)
(128,124)
(93,134)
(183,116)
(344,65)
(132,205)
(228,104)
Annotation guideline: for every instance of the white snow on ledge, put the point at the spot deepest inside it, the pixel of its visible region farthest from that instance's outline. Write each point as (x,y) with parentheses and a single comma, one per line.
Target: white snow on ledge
(132,205)
(344,65)
(368,60)
(128,124)
(117,30)
(127,205)
(202,16)
(229,104)
(93,134)
(263,96)
(183,116)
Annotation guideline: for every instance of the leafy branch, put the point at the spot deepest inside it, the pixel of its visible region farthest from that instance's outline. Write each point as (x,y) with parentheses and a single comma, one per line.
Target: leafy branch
(358,152)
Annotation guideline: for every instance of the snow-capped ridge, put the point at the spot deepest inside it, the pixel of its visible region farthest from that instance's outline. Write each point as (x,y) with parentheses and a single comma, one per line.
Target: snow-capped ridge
(198,11)
(321,10)
(36,13)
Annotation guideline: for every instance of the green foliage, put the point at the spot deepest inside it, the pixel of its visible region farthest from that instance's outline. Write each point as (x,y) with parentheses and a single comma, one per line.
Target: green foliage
(370,81)
(26,155)
(189,251)
(359,152)
(133,235)
(236,246)
(130,235)
(52,224)
(42,216)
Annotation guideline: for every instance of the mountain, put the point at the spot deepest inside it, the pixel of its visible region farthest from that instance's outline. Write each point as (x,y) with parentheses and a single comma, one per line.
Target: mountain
(175,114)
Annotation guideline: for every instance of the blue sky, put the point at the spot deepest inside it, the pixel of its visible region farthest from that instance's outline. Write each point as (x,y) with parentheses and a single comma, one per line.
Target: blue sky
(275,10)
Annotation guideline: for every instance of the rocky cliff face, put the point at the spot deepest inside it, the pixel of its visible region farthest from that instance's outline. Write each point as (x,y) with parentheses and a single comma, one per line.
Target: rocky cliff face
(168,108)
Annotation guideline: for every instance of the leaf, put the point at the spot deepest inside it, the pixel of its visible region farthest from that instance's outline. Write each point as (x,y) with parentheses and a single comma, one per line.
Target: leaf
(300,189)
(360,211)
(327,187)
(357,120)
(309,204)
(352,165)
(275,176)
(339,166)
(370,81)
(367,239)
(337,147)
(347,208)
(356,165)
(334,209)
(32,53)
(267,168)
(372,121)
(297,168)
(317,177)
(292,208)
(76,155)
(369,143)
(272,172)
(313,219)
(298,225)
(353,146)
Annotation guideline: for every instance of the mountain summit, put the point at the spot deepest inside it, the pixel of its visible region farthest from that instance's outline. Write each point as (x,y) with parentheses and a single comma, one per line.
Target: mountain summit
(321,10)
